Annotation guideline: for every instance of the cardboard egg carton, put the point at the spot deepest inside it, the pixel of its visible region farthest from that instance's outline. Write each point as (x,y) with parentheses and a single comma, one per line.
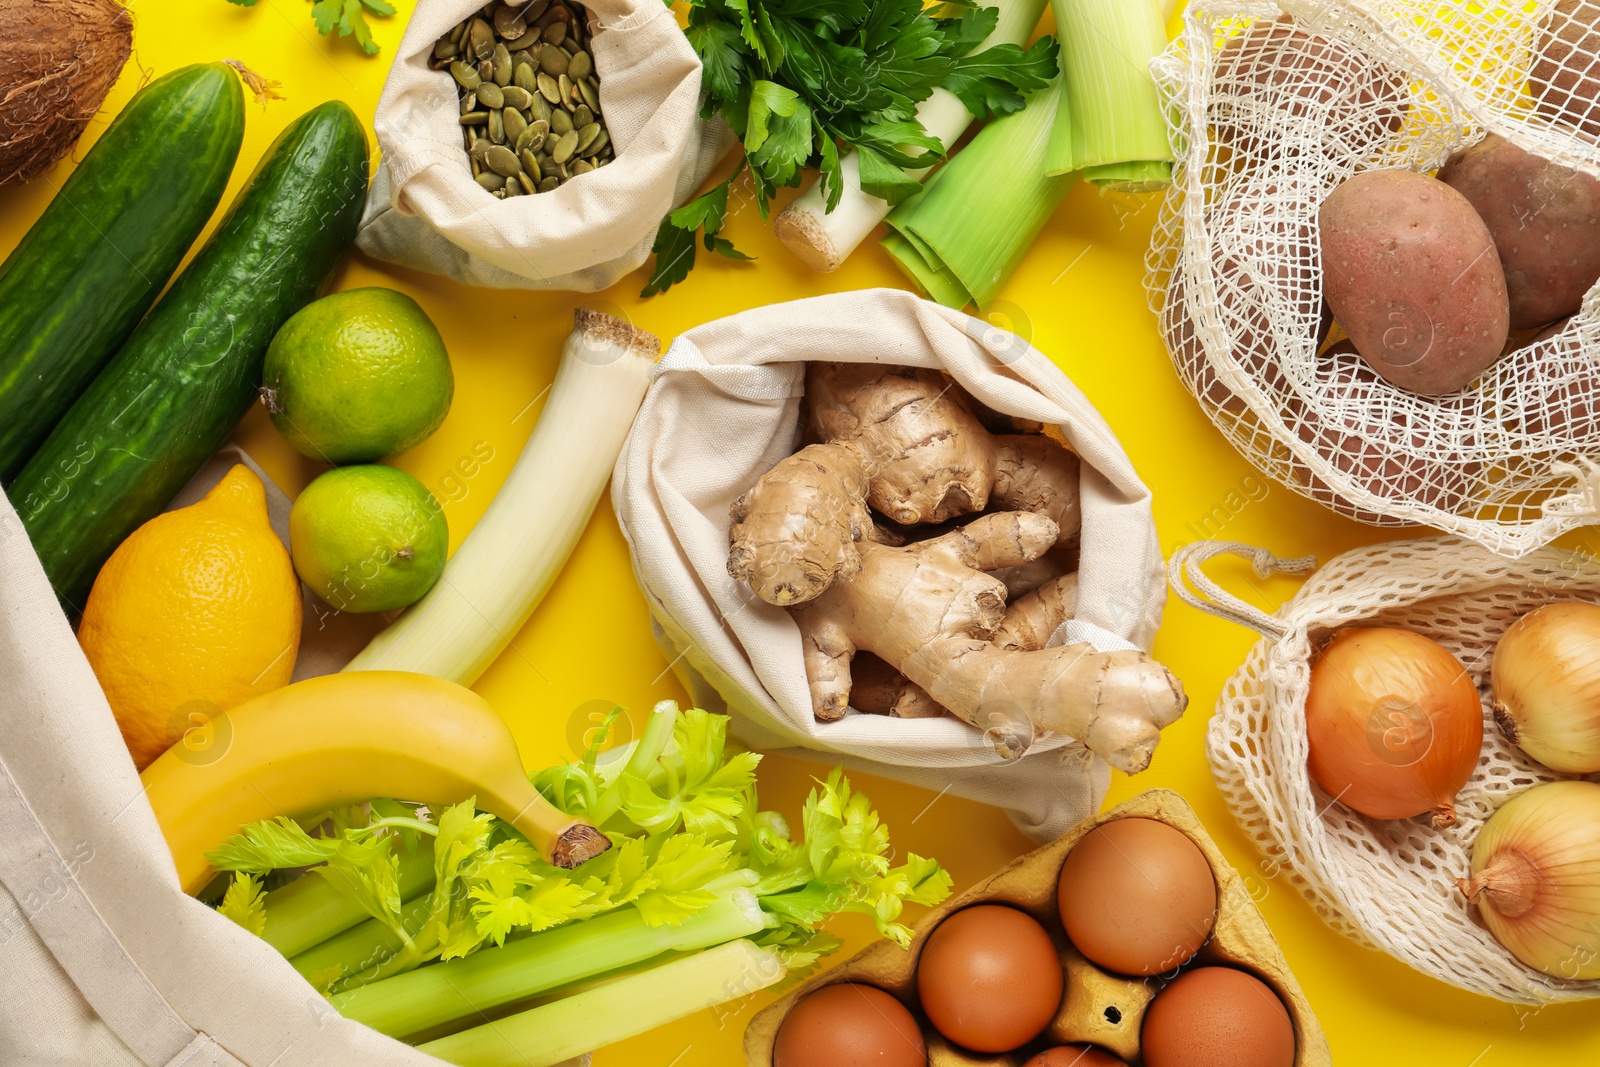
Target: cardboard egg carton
(1098,1008)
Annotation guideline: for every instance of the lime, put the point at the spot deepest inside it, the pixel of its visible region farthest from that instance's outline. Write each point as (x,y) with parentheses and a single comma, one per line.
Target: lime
(357,376)
(368,538)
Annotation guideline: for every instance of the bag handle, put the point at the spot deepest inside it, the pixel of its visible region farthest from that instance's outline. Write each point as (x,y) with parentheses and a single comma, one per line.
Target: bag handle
(1184,571)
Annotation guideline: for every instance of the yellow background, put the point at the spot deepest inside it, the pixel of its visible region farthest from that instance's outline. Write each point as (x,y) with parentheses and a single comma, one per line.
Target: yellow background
(1080,294)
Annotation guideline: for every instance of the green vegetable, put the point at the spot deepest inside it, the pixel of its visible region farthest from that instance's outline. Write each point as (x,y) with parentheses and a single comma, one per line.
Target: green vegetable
(190,371)
(958,255)
(349,17)
(613,1011)
(798,80)
(91,266)
(696,864)
(1110,125)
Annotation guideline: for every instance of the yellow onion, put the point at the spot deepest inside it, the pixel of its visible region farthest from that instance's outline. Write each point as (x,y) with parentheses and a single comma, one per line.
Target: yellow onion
(1394,724)
(1546,679)
(1536,878)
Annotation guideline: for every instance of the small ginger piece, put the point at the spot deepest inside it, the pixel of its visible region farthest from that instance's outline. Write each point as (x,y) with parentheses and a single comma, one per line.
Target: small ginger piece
(1032,619)
(878,689)
(797,529)
(1038,474)
(929,610)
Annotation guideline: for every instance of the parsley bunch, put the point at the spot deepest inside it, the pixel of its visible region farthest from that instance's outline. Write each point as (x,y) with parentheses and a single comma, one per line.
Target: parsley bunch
(798,79)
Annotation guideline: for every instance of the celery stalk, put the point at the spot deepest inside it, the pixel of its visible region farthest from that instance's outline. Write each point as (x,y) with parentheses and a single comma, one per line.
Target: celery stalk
(495,580)
(824,239)
(359,953)
(309,911)
(615,1011)
(975,218)
(462,989)
(1110,125)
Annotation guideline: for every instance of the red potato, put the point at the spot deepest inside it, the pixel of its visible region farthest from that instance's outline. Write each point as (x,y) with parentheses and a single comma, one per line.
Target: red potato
(1564,79)
(1277,66)
(1545,221)
(1411,273)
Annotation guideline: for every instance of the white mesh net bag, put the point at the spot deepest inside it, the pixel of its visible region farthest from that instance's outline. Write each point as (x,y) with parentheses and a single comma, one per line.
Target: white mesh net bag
(1389,885)
(1270,112)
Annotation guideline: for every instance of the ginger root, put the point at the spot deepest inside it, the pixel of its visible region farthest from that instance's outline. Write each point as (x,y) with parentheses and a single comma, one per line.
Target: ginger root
(878,689)
(902,440)
(1033,618)
(930,610)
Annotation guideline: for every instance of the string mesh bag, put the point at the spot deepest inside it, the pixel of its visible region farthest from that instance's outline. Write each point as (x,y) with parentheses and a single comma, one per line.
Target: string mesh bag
(1389,885)
(1272,107)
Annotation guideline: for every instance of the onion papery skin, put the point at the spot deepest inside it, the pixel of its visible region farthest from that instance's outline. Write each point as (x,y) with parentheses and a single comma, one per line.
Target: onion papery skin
(1546,679)
(1394,723)
(1536,878)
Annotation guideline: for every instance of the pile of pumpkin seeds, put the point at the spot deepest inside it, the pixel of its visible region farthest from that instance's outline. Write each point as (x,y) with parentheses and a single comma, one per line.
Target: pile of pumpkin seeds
(530,101)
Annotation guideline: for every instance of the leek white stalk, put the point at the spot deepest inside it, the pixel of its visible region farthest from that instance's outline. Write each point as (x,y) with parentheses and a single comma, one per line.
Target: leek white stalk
(615,1010)
(964,233)
(824,239)
(511,558)
(1111,127)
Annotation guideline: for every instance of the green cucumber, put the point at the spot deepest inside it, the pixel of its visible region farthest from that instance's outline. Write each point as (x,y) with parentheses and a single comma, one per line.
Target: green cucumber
(190,371)
(94,262)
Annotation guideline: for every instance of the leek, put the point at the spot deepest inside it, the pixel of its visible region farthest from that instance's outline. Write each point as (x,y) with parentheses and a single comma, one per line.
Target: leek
(1110,126)
(614,1011)
(824,239)
(508,562)
(468,987)
(972,222)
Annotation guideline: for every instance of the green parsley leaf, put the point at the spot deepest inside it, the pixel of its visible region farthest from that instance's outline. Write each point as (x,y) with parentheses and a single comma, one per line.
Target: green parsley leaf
(882,179)
(350,19)
(992,83)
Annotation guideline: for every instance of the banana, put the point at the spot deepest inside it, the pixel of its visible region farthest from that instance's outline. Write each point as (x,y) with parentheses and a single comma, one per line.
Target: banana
(342,739)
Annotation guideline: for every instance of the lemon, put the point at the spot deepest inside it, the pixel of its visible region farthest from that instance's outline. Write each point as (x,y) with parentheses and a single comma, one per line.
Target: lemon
(368,538)
(197,611)
(357,376)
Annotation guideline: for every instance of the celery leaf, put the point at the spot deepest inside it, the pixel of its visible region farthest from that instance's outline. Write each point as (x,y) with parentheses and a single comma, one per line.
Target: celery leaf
(245,903)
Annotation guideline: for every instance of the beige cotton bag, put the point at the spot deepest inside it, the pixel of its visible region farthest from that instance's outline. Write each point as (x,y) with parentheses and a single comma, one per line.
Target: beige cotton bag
(1389,885)
(426,211)
(725,407)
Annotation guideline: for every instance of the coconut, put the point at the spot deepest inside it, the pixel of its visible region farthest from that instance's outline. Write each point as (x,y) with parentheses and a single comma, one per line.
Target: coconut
(58,59)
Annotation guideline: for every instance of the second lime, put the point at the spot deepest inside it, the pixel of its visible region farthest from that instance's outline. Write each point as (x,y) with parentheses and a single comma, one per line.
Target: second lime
(357,376)
(368,538)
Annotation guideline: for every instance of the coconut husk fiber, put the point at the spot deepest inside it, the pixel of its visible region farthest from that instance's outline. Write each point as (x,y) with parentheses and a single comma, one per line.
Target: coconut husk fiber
(58,60)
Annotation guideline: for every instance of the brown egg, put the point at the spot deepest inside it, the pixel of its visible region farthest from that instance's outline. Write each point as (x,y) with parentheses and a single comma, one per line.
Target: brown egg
(1137,896)
(990,978)
(849,1025)
(1217,1017)
(1075,1056)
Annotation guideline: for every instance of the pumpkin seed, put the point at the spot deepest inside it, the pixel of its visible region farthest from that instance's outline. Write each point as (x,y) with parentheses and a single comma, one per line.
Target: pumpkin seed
(469,103)
(465,76)
(564,84)
(497,128)
(526,42)
(549,184)
(482,39)
(560,123)
(536,9)
(476,118)
(528,184)
(502,161)
(591,95)
(588,135)
(502,65)
(446,49)
(509,23)
(549,88)
(580,66)
(581,116)
(556,33)
(491,95)
(491,181)
(564,147)
(530,166)
(486,69)
(539,107)
(513,188)
(524,77)
(601,140)
(545,162)
(513,123)
(517,97)
(582,166)
(480,149)
(552,60)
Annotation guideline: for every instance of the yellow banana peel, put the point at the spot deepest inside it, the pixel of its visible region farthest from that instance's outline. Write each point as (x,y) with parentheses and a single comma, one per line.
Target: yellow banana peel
(343,739)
